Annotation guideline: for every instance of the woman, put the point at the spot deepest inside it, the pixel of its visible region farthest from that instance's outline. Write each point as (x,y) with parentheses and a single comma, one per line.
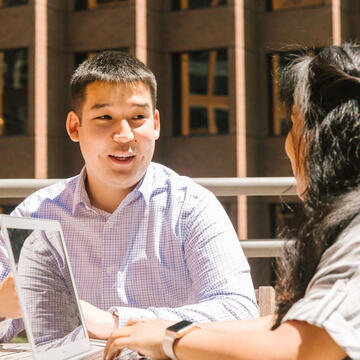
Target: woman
(318,313)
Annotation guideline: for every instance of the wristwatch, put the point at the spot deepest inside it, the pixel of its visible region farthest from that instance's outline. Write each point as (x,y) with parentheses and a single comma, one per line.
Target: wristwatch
(173,333)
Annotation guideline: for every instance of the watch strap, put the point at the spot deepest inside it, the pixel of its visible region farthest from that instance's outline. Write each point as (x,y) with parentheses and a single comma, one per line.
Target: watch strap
(168,346)
(171,336)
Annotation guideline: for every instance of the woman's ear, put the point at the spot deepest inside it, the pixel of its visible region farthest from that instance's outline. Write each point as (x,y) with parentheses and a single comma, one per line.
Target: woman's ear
(72,126)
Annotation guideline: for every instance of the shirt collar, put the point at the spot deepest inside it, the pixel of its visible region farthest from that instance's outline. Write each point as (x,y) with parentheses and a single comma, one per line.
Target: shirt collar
(81,196)
(144,187)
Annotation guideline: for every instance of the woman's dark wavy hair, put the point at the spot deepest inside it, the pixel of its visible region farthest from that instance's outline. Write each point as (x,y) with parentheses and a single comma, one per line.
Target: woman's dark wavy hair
(326,90)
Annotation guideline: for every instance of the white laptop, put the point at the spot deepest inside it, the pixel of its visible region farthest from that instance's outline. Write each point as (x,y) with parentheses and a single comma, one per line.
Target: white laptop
(48,298)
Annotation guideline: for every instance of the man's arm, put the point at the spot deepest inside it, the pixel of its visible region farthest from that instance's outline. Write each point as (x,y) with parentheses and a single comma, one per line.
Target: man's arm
(216,265)
(9,303)
(10,307)
(292,340)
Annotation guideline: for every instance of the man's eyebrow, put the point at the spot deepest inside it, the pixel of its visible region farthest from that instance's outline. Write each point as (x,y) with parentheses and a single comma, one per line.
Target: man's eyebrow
(99,106)
(141,105)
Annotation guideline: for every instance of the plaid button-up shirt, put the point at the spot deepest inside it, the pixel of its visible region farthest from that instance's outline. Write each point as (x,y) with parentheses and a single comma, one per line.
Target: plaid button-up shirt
(169,250)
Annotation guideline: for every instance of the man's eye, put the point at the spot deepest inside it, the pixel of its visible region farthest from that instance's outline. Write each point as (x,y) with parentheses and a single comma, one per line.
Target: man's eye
(103,117)
(139,117)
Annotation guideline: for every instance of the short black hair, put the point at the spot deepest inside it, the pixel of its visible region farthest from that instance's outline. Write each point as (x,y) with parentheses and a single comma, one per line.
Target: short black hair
(110,66)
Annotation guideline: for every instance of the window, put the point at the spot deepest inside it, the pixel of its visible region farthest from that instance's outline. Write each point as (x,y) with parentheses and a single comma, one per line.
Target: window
(280,120)
(6,3)
(13,92)
(195,4)
(201,77)
(92,4)
(292,4)
(6,209)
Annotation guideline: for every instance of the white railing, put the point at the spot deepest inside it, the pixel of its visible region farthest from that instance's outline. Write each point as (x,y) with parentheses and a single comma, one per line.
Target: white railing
(256,186)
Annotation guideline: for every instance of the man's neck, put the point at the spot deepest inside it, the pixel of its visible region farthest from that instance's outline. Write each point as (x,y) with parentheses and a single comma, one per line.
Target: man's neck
(107,201)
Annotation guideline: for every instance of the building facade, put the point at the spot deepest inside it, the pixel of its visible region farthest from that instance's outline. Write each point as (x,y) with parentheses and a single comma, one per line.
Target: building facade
(217,64)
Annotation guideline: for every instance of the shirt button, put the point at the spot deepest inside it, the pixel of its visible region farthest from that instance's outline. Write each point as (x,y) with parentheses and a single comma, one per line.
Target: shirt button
(109,269)
(111,225)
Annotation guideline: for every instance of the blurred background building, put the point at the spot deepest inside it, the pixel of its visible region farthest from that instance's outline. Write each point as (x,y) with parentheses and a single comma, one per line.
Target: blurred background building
(217,64)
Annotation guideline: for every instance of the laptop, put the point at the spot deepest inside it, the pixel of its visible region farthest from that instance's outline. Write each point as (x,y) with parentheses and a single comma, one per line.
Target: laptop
(48,299)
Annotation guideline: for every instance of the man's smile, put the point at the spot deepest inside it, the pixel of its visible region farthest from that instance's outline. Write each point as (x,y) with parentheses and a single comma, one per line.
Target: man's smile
(122,158)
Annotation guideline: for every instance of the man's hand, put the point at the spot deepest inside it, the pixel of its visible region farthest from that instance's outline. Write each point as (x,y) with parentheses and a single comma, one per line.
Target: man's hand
(99,323)
(9,302)
(143,336)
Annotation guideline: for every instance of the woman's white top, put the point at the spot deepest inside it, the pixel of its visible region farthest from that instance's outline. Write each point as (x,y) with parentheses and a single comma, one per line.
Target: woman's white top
(332,298)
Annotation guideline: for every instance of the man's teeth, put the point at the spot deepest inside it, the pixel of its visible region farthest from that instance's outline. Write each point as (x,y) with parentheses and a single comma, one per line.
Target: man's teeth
(122,157)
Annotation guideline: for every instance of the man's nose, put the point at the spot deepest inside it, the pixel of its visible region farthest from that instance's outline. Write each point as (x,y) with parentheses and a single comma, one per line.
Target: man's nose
(123,133)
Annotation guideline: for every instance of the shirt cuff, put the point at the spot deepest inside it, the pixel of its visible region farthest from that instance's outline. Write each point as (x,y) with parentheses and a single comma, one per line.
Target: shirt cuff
(125,313)
(9,328)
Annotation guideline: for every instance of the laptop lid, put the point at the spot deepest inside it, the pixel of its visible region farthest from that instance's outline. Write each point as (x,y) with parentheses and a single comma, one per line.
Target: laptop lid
(45,286)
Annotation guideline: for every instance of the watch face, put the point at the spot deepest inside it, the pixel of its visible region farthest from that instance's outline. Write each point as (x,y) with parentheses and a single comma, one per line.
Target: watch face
(178,326)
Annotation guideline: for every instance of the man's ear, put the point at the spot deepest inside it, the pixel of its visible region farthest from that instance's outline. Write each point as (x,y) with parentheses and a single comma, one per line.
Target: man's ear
(72,126)
(157,124)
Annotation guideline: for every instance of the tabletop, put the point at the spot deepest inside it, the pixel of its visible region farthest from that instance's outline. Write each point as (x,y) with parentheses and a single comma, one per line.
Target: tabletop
(17,351)
(12,351)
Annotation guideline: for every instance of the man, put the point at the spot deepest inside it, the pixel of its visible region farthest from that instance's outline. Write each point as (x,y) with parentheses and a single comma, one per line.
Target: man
(142,240)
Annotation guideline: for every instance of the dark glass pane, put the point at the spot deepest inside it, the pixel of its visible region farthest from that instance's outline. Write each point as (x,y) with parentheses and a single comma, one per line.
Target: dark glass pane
(198,71)
(14,2)
(6,209)
(221,73)
(198,120)
(197,4)
(83,4)
(15,83)
(101,2)
(80,4)
(222,121)
(175,4)
(79,58)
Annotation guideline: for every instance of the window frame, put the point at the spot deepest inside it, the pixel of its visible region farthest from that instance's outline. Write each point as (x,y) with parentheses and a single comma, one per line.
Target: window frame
(6,6)
(210,101)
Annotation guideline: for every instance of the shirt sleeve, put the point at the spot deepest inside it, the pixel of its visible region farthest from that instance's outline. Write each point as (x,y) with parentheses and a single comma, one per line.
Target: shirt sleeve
(216,264)
(4,262)
(332,299)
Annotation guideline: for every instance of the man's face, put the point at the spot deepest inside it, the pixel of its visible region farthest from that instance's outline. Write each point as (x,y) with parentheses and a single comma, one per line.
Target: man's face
(117,134)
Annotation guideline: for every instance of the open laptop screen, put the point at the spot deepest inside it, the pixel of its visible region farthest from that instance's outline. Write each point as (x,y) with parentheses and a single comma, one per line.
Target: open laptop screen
(45,287)
(48,295)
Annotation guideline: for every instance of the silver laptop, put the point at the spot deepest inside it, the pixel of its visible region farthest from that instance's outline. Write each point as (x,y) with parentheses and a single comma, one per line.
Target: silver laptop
(48,298)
